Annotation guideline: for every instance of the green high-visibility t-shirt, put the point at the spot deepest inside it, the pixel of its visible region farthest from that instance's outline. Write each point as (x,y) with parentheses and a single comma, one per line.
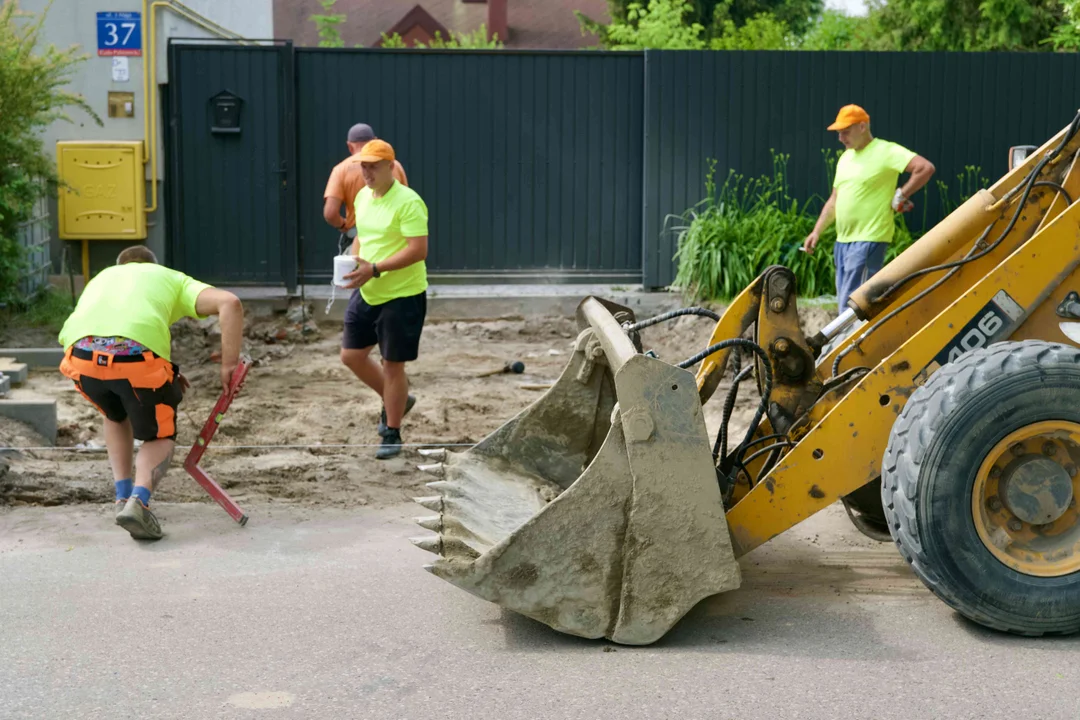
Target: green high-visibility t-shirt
(865,183)
(138,301)
(382,224)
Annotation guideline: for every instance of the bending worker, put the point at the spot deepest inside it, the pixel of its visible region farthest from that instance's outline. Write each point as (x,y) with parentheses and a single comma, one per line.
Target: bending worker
(118,350)
(390,303)
(864,198)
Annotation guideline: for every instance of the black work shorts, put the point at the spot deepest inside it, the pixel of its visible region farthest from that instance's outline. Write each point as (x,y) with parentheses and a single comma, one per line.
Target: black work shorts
(395,326)
(145,391)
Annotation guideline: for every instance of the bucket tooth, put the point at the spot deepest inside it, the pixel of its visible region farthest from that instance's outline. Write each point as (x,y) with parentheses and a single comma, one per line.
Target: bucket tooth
(429,543)
(434,453)
(434,502)
(434,469)
(440,486)
(430,568)
(431,522)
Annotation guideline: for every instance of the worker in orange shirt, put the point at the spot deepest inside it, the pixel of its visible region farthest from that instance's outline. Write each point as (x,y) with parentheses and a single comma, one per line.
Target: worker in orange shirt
(346,181)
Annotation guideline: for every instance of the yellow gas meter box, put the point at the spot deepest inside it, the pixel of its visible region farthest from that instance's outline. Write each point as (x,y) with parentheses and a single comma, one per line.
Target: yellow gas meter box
(104,190)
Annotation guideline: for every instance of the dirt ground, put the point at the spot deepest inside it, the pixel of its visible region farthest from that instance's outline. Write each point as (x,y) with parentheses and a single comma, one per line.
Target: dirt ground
(298,393)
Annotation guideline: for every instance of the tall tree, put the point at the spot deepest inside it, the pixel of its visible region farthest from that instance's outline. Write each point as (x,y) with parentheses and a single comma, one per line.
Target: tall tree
(972,25)
(716,18)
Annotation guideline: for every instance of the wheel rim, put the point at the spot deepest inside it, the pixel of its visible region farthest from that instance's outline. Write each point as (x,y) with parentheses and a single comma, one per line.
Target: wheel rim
(1024,499)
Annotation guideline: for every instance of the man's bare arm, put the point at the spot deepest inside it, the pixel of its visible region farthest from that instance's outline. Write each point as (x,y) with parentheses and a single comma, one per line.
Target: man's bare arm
(414,251)
(230,312)
(921,171)
(331,213)
(825,219)
(828,214)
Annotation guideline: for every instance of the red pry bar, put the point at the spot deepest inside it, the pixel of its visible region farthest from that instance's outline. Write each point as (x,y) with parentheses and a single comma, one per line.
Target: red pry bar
(191,463)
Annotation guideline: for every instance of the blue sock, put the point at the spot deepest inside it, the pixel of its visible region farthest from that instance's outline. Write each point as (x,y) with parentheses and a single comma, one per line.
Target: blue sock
(123,489)
(143,494)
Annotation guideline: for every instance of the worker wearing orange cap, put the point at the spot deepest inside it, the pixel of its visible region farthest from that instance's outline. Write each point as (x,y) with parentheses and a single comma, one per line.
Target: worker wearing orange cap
(864,198)
(390,304)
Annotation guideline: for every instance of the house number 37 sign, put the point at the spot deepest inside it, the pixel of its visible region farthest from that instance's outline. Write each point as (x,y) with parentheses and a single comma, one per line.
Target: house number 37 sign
(119,33)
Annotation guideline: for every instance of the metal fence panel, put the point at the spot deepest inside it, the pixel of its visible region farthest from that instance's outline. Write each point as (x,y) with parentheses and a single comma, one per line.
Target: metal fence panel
(33,237)
(230,219)
(956,109)
(530,163)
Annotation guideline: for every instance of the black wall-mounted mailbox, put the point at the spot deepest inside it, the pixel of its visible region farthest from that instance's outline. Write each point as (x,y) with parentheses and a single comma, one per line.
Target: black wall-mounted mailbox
(225,113)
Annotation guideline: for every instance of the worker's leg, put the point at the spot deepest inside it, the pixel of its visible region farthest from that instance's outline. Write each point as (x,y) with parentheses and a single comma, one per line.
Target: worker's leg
(400,324)
(119,441)
(121,446)
(396,393)
(364,367)
(875,259)
(153,420)
(850,269)
(357,339)
(151,465)
(838,264)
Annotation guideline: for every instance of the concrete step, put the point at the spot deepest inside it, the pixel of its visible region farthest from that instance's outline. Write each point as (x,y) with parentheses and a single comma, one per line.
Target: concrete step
(16,371)
(35,357)
(5,385)
(39,414)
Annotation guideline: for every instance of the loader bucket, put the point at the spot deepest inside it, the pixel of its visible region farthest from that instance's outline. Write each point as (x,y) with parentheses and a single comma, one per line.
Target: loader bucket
(595,510)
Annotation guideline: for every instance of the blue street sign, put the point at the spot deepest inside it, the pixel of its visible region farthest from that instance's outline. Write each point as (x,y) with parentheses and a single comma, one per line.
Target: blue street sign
(119,33)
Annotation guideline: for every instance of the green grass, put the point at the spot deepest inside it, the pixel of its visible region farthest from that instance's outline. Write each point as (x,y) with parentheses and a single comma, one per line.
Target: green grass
(48,312)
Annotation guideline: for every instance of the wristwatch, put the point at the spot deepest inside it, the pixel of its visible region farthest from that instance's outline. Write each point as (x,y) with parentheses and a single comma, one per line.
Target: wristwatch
(375,270)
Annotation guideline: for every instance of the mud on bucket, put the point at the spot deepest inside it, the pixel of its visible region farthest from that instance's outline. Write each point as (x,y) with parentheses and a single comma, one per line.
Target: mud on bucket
(596,509)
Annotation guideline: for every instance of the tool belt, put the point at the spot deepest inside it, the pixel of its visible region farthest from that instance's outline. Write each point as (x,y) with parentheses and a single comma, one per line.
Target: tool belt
(106,359)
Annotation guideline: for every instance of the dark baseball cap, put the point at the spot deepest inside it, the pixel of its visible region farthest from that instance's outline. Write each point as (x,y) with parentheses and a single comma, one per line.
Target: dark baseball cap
(361,133)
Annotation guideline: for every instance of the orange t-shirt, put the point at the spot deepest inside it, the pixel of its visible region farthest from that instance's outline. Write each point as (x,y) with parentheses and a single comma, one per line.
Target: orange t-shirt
(346,180)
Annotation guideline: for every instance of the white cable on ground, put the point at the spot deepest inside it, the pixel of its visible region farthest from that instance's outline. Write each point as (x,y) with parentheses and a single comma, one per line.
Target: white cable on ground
(54,448)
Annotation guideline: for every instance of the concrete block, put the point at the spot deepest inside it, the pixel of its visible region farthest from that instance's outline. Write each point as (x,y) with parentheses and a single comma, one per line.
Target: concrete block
(16,371)
(35,357)
(38,414)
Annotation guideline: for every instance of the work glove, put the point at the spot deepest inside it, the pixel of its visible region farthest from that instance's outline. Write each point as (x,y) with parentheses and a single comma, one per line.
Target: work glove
(900,203)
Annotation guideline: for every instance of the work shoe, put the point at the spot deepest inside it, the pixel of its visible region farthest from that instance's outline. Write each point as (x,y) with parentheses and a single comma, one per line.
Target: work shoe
(119,506)
(381,429)
(390,446)
(137,519)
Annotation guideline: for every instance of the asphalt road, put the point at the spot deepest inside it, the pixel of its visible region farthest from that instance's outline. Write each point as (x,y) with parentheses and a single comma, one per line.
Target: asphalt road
(326,614)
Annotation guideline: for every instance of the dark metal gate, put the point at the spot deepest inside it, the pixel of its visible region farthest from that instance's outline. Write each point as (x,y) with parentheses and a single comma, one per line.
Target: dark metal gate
(231,218)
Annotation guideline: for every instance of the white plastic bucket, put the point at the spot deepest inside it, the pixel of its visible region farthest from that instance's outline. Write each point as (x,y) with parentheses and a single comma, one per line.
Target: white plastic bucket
(343,264)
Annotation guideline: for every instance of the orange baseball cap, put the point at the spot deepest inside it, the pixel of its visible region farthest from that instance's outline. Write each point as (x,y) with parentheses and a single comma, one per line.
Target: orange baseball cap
(377,150)
(849,115)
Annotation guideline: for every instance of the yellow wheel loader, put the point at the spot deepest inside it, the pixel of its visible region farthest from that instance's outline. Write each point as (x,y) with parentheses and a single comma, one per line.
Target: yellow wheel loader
(942,407)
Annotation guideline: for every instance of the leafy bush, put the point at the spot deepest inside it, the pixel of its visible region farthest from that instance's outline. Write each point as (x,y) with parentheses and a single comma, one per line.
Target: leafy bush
(32,96)
(742,227)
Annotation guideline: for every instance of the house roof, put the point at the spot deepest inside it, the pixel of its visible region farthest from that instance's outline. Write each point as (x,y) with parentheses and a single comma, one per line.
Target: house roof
(549,24)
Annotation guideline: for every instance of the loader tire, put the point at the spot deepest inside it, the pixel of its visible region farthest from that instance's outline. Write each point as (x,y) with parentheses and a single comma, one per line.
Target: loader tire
(937,452)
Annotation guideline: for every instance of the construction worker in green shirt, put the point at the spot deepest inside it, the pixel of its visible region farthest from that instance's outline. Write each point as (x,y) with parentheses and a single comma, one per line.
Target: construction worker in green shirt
(864,199)
(118,353)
